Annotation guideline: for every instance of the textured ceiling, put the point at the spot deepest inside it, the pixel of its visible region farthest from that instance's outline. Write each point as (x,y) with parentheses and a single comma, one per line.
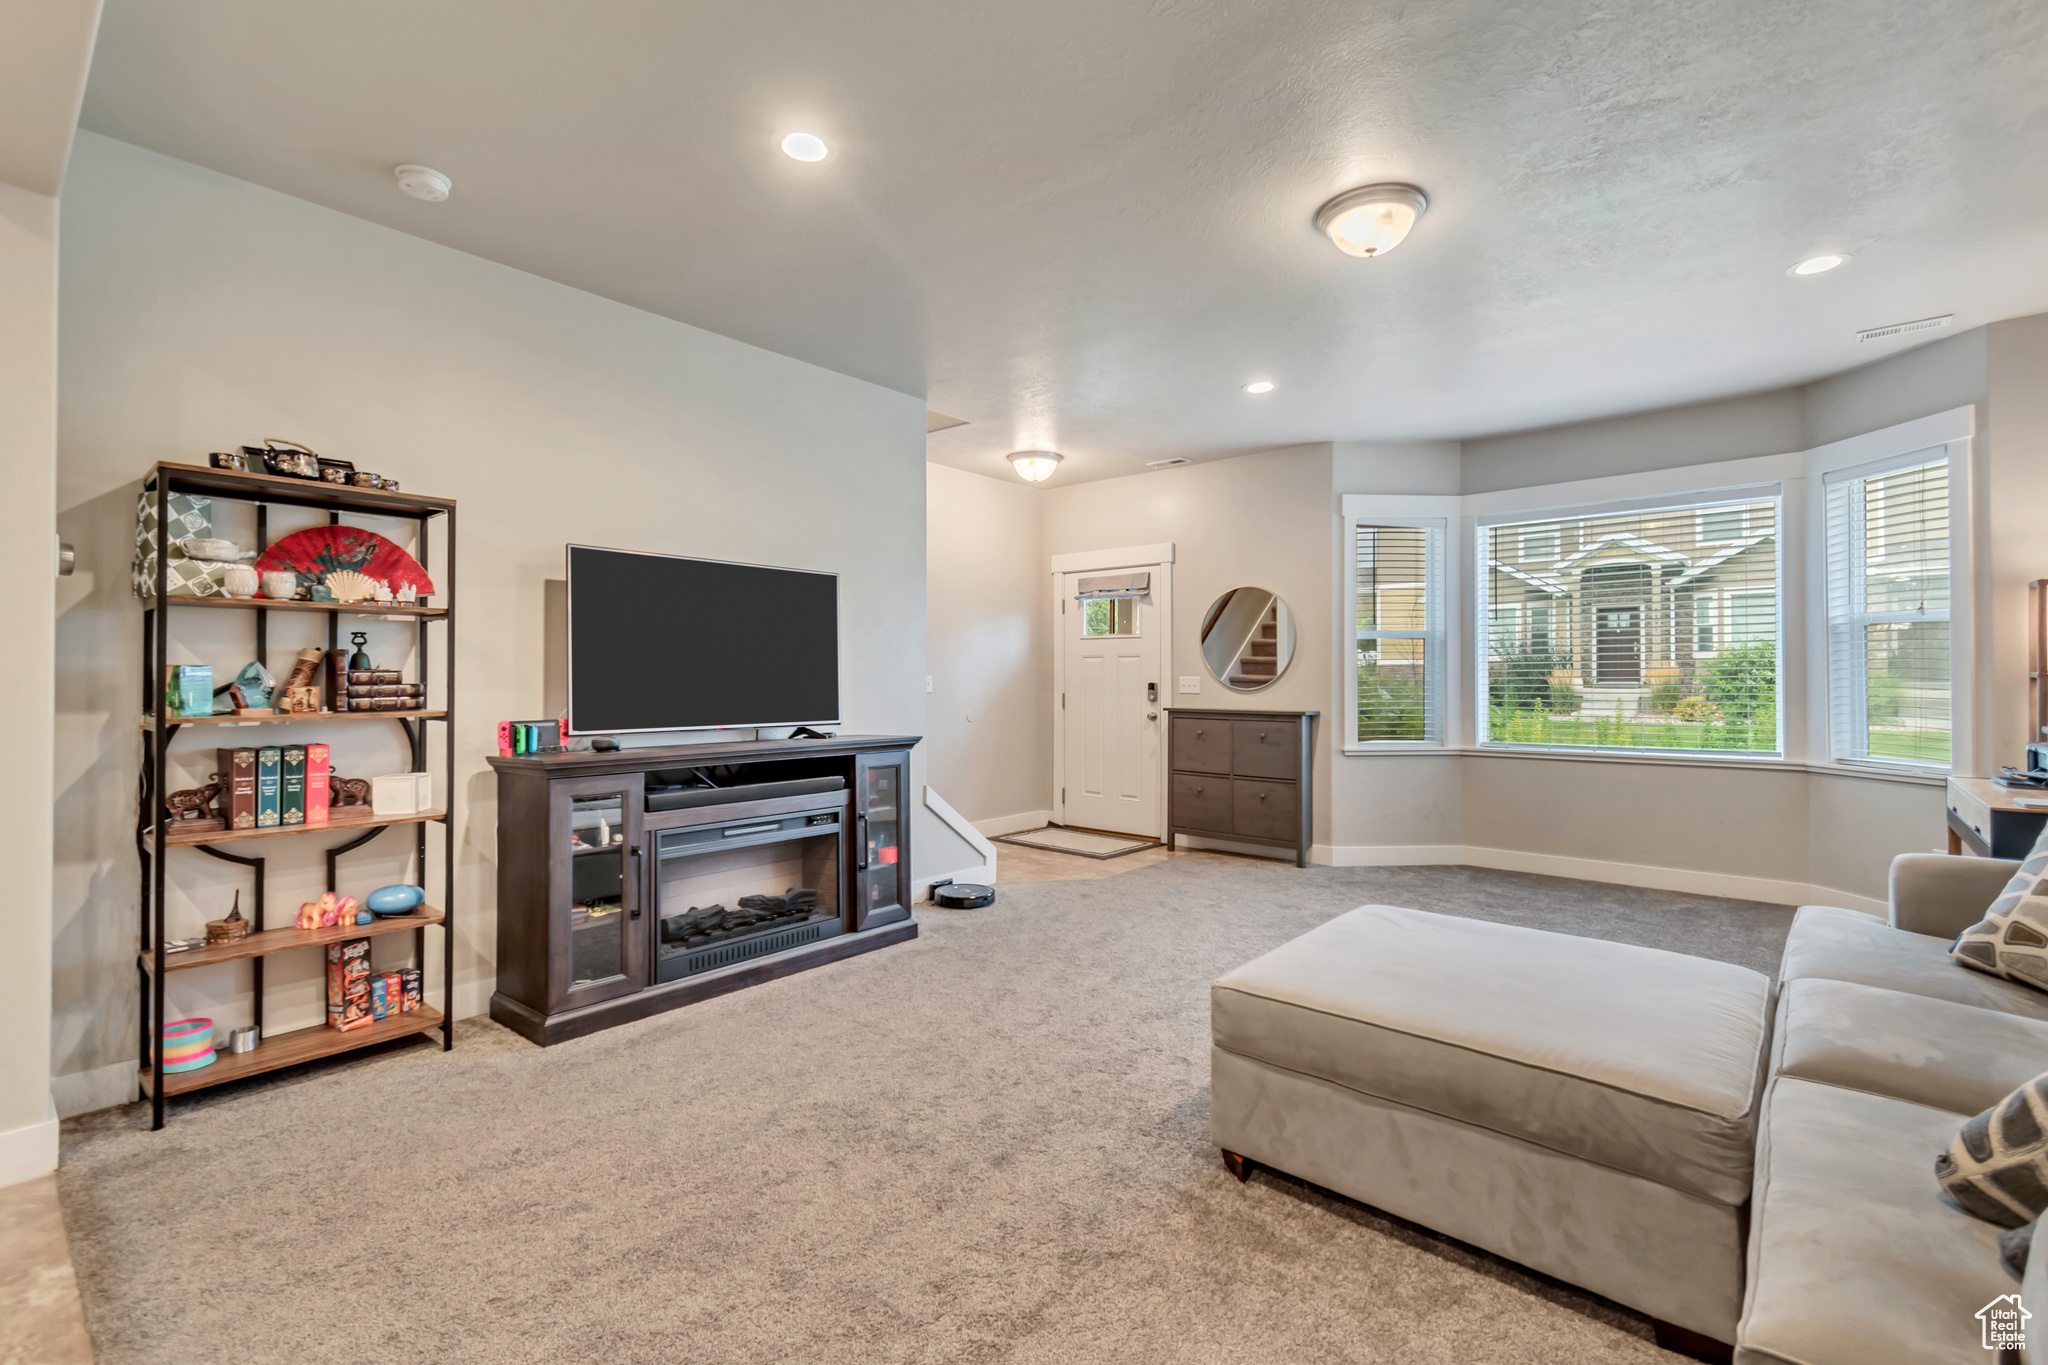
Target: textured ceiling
(1084,224)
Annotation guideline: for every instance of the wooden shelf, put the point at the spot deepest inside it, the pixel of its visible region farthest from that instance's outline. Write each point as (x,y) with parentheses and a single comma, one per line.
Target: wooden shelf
(322,716)
(284,940)
(300,1045)
(336,820)
(288,604)
(299,492)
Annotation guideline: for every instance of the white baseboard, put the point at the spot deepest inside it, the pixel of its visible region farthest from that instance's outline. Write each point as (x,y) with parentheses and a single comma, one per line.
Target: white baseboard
(29,1151)
(86,1092)
(1767,889)
(1011,824)
(1386,855)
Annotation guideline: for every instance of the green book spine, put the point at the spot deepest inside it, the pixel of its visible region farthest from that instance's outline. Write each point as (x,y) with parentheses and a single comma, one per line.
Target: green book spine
(268,762)
(292,785)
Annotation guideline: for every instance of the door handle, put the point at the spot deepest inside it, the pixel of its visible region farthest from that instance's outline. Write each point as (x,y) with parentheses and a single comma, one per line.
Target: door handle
(861,834)
(1151,715)
(634,878)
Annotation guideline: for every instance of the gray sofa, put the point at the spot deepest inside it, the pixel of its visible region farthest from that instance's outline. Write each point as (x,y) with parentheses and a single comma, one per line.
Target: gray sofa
(1881,1047)
(1740,1162)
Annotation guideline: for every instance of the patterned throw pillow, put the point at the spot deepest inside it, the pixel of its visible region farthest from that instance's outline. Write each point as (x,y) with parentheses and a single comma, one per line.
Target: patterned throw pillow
(2012,939)
(1997,1168)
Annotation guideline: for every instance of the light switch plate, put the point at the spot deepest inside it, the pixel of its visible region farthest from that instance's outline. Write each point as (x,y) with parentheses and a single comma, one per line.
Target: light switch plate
(1190,684)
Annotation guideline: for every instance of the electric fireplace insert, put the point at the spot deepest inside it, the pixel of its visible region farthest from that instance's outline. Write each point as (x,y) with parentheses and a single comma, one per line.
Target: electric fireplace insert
(744,888)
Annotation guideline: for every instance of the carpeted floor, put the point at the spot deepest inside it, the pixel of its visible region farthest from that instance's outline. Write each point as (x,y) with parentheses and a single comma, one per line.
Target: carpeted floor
(990,1144)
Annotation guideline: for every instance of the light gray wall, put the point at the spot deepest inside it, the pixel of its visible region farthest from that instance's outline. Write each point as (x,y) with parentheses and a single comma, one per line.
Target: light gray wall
(2016,463)
(1933,376)
(1668,438)
(28,453)
(201,312)
(988,645)
(1259,521)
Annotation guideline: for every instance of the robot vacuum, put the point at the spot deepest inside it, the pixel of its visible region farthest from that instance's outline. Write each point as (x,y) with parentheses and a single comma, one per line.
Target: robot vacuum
(962,895)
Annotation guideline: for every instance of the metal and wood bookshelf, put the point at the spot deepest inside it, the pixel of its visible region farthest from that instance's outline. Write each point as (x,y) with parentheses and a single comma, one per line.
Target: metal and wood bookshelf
(156,835)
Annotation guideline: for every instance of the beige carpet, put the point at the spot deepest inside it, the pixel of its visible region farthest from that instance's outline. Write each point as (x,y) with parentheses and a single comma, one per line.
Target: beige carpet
(990,1144)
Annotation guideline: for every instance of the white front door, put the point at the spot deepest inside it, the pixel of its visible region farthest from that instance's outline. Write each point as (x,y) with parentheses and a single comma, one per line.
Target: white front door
(1110,716)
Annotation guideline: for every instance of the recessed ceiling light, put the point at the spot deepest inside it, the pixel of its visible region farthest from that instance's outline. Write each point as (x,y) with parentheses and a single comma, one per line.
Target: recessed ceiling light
(421,183)
(1171,462)
(805,147)
(1818,265)
(1371,220)
(1034,466)
(1259,386)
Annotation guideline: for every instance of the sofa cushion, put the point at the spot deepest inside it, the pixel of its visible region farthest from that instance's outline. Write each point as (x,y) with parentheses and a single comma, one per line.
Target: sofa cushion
(1855,1255)
(1932,1052)
(1642,1060)
(1847,945)
(1997,1166)
(2012,939)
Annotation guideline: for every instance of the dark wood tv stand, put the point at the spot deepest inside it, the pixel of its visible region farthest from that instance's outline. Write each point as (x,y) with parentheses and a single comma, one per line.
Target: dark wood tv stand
(587,866)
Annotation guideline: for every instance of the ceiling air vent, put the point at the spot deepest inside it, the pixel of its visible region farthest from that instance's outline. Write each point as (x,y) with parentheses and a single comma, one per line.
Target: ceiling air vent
(1899,329)
(1175,463)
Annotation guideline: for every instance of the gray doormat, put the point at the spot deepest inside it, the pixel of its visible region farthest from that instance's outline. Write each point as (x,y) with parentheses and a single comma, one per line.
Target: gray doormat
(1087,845)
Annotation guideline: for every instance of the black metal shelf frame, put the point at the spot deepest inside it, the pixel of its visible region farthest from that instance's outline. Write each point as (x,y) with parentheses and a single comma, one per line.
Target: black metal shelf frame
(151,829)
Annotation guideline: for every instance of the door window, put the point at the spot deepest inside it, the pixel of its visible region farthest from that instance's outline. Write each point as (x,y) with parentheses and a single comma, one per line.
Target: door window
(1107,616)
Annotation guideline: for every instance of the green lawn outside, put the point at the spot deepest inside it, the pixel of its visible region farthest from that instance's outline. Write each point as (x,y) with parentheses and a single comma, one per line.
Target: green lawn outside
(1919,746)
(1530,727)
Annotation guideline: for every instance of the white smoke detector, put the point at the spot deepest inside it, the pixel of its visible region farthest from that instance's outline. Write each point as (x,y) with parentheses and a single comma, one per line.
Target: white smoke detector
(422,183)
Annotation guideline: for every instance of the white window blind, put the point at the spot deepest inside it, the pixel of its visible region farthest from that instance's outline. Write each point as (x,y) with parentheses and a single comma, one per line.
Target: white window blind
(1889,692)
(1650,628)
(1399,612)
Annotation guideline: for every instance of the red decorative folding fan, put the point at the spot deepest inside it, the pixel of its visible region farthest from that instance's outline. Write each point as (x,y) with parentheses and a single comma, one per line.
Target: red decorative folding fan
(320,550)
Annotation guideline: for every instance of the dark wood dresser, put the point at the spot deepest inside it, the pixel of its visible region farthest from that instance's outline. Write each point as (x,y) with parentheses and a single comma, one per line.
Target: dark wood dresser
(1242,775)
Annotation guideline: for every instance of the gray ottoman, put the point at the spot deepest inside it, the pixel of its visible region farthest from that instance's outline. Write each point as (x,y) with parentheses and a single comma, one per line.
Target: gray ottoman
(1585,1108)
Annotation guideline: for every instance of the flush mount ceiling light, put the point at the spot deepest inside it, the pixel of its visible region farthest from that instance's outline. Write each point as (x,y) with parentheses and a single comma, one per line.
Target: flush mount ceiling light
(805,147)
(1372,220)
(1259,386)
(421,183)
(1034,466)
(1818,265)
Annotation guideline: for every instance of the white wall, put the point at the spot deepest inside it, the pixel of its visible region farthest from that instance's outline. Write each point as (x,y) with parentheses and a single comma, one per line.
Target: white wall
(28,432)
(201,312)
(988,649)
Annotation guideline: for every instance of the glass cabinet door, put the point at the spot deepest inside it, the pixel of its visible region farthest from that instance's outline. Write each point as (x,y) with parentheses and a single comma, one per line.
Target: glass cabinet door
(883,855)
(599,935)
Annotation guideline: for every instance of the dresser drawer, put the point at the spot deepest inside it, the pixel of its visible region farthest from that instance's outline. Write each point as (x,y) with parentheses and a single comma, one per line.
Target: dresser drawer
(1201,802)
(1264,810)
(1201,746)
(1260,748)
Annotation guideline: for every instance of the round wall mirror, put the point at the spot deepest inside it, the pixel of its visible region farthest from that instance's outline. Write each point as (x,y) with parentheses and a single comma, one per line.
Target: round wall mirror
(1247,639)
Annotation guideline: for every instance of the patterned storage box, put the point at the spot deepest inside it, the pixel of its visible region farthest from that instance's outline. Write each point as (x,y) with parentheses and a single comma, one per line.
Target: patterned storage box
(190,517)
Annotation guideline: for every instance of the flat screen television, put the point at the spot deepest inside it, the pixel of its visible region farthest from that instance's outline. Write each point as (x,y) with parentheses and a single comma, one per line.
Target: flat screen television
(665,642)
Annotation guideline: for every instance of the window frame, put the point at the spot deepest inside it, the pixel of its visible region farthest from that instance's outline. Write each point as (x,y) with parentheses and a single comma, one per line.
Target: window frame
(1441,609)
(1699,501)
(1838,722)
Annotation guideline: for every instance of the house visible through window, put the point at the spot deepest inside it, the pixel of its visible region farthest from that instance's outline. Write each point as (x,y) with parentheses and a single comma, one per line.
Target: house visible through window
(1539,542)
(1659,631)
(1889,685)
(1398,609)
(1722,523)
